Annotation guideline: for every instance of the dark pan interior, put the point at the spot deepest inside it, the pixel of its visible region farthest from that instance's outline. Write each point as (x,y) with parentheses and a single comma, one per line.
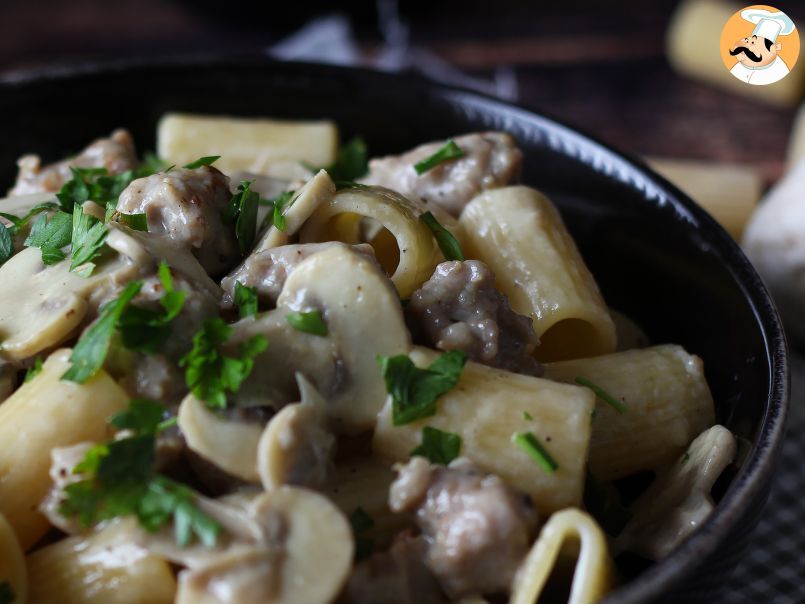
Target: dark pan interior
(656,255)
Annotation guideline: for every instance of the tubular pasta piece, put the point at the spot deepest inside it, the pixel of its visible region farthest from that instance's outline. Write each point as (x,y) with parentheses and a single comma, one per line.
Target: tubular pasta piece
(340,220)
(667,404)
(44,414)
(520,235)
(263,146)
(572,530)
(487,408)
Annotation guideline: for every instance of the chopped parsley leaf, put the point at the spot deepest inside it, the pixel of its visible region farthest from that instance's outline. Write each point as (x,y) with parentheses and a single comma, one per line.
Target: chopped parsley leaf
(6,244)
(88,237)
(610,400)
(32,372)
(414,391)
(120,481)
(92,347)
(361,522)
(447,242)
(527,416)
(529,443)
(20,223)
(276,216)
(308,322)
(352,162)
(449,151)
(207,160)
(242,213)
(146,329)
(437,446)
(209,373)
(50,235)
(246,300)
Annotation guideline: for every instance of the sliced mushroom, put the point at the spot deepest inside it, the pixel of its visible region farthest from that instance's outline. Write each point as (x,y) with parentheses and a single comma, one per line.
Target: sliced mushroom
(230,445)
(296,447)
(319,190)
(41,306)
(679,500)
(364,319)
(304,555)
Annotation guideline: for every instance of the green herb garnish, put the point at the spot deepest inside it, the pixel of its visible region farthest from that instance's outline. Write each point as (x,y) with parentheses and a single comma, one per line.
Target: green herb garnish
(619,406)
(242,212)
(605,506)
(121,481)
(90,352)
(685,458)
(6,244)
(527,416)
(208,373)
(449,151)
(88,237)
(414,391)
(308,322)
(207,160)
(352,162)
(437,446)
(528,442)
(276,216)
(147,330)
(51,235)
(32,372)
(245,300)
(447,242)
(360,522)
(20,223)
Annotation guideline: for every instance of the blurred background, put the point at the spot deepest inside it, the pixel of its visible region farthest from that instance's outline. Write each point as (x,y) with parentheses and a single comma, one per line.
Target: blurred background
(601,66)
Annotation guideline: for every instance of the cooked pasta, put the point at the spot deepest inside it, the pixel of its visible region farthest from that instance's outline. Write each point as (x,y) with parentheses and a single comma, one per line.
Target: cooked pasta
(290,375)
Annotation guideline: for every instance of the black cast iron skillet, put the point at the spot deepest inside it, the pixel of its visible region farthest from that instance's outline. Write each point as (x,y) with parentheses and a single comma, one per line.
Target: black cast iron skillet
(657,256)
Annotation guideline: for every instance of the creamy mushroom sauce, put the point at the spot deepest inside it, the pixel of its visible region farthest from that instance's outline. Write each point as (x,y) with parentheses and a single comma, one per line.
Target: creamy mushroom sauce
(274,448)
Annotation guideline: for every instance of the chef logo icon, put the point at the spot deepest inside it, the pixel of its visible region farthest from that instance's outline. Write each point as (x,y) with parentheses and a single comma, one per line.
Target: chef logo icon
(759,45)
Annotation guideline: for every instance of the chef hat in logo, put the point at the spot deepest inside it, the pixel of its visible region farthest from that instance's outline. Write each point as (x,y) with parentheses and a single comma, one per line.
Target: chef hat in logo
(769,25)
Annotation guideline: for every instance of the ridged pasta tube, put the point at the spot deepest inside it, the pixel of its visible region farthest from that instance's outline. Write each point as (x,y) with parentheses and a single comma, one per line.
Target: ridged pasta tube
(262,146)
(520,235)
(340,220)
(43,414)
(102,568)
(668,403)
(570,533)
(487,408)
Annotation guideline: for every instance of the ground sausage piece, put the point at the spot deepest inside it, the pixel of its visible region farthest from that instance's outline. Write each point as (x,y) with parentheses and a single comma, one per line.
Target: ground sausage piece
(115,153)
(491,159)
(267,271)
(478,528)
(397,576)
(459,308)
(187,206)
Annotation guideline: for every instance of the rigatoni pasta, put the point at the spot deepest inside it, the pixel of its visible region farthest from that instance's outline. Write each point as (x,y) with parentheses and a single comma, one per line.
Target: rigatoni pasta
(303,388)
(518,232)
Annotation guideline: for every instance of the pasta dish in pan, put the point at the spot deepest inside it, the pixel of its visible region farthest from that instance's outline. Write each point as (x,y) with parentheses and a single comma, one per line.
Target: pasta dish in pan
(259,368)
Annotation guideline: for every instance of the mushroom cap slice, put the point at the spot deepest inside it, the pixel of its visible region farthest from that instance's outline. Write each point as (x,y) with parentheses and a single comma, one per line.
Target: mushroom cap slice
(305,556)
(364,319)
(230,445)
(41,306)
(296,447)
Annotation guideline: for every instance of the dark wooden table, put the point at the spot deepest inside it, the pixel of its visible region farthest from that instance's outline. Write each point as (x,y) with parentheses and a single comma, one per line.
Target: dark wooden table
(598,65)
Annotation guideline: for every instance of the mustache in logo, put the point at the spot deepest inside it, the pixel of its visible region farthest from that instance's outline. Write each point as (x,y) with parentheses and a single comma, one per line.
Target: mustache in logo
(743,49)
